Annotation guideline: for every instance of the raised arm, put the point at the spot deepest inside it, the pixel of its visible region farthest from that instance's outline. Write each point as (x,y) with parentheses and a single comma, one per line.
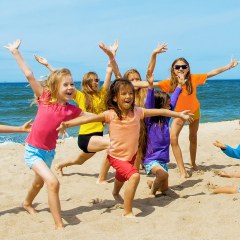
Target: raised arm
(113,48)
(44,62)
(151,65)
(26,127)
(111,59)
(35,85)
(217,71)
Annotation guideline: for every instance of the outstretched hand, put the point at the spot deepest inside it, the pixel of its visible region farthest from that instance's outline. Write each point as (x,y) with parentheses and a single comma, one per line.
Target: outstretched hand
(41,60)
(27,126)
(233,63)
(13,46)
(187,116)
(106,50)
(114,47)
(160,48)
(62,129)
(219,145)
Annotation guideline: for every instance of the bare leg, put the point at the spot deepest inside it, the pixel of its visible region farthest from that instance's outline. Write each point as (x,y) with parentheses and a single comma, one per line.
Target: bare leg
(102,177)
(96,144)
(229,175)
(176,128)
(226,189)
(32,193)
(160,182)
(129,194)
(78,160)
(41,169)
(193,129)
(138,161)
(116,190)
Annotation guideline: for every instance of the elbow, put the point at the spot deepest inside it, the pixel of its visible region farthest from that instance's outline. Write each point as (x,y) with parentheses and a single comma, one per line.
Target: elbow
(28,74)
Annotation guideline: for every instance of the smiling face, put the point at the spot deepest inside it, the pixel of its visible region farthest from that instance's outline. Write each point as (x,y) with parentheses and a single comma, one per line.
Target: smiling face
(66,89)
(125,98)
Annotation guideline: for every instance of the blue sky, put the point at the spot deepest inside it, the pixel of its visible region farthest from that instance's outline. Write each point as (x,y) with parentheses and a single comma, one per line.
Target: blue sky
(67,33)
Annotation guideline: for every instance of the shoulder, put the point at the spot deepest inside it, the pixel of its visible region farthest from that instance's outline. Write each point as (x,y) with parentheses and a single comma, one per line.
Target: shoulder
(78,95)
(139,111)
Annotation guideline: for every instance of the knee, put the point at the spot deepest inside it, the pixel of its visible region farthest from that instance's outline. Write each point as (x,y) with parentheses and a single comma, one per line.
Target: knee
(161,175)
(135,177)
(53,184)
(174,140)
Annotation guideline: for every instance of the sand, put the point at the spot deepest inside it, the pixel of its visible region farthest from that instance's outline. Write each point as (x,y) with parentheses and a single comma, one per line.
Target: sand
(189,212)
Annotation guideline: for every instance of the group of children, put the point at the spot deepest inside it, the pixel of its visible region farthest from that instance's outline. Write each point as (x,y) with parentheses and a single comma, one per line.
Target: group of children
(121,105)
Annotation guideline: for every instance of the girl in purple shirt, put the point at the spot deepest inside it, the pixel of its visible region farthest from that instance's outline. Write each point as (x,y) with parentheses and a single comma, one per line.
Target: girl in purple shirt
(158,136)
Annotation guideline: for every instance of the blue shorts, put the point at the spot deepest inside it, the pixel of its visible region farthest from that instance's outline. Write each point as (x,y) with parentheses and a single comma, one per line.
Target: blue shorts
(33,154)
(149,166)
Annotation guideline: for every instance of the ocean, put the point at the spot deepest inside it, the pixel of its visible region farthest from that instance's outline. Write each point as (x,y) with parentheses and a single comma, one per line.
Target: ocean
(220,101)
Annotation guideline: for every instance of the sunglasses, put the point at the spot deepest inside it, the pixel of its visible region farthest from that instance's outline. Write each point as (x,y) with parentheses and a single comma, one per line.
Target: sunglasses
(177,67)
(96,80)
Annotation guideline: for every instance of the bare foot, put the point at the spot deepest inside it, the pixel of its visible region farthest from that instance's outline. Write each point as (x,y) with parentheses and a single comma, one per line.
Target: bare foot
(184,175)
(224,174)
(150,185)
(130,216)
(29,208)
(58,170)
(118,197)
(101,181)
(59,227)
(194,167)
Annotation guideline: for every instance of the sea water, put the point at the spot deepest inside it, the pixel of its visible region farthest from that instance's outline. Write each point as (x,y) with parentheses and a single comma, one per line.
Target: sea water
(220,101)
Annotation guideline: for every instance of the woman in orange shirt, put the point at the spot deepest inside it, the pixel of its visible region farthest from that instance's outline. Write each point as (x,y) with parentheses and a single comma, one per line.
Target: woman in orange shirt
(180,68)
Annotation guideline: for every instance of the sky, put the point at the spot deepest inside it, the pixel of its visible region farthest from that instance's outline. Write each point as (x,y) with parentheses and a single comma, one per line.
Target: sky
(67,33)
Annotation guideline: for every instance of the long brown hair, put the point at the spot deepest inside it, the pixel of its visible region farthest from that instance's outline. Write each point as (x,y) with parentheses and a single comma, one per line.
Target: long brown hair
(88,91)
(174,78)
(114,92)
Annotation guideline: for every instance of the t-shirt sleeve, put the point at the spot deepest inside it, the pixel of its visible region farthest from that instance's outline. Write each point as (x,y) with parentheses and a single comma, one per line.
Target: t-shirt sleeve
(164,85)
(140,112)
(78,96)
(44,97)
(199,78)
(107,116)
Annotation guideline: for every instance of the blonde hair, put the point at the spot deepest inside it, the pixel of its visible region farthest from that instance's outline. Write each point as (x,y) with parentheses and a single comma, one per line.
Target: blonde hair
(141,93)
(52,85)
(88,91)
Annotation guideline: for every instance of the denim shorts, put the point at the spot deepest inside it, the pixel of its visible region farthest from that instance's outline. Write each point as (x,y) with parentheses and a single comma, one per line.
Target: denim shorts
(33,154)
(149,166)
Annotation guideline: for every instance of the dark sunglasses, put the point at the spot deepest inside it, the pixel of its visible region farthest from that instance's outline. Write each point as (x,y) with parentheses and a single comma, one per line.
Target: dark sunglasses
(96,80)
(177,67)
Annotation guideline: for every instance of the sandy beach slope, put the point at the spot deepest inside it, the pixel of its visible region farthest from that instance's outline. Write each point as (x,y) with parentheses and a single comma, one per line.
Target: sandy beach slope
(188,212)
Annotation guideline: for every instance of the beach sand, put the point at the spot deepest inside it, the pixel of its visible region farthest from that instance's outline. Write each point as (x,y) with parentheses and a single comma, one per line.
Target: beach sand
(189,212)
